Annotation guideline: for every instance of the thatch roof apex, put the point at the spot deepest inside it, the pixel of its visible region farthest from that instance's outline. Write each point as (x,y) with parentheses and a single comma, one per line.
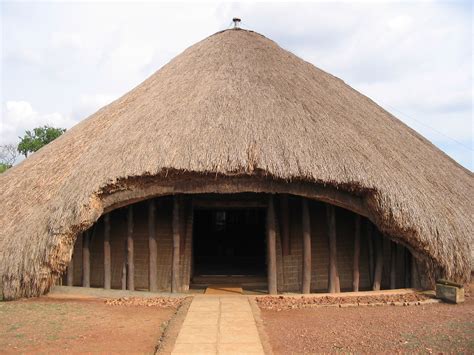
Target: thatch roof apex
(235,104)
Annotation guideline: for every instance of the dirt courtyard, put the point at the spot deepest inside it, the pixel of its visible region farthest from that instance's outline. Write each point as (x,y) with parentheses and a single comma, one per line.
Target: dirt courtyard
(84,325)
(89,325)
(430,328)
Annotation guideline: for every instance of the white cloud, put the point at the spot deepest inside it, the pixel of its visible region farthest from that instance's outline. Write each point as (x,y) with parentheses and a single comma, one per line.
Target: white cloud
(90,103)
(65,40)
(400,23)
(416,57)
(19,116)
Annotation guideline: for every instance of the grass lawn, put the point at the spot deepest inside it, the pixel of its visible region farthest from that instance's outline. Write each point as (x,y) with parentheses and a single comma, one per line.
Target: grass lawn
(52,325)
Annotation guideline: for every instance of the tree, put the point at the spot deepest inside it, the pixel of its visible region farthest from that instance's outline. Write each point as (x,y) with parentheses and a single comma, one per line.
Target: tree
(32,141)
(8,156)
(3,167)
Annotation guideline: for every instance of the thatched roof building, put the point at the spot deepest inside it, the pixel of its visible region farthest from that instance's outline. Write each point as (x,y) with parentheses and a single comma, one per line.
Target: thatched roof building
(235,113)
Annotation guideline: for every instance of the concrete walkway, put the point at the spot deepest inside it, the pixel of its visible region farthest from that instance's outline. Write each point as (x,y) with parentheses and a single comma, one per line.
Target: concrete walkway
(219,325)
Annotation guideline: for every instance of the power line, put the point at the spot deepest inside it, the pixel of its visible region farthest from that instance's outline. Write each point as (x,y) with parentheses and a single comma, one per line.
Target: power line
(428,126)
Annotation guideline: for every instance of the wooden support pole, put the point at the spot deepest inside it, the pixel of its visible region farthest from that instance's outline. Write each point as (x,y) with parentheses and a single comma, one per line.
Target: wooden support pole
(107,261)
(183,212)
(406,267)
(370,247)
(188,272)
(356,265)
(415,277)
(306,247)
(124,264)
(378,261)
(285,225)
(130,257)
(152,247)
(271,245)
(70,271)
(86,261)
(176,243)
(393,265)
(333,279)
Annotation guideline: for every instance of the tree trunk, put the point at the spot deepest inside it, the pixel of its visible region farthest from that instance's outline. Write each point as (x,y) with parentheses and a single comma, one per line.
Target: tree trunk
(370,247)
(124,264)
(378,262)
(176,243)
(356,272)
(107,261)
(333,284)
(285,228)
(70,272)
(152,247)
(130,257)
(415,280)
(406,268)
(393,265)
(271,245)
(86,261)
(306,247)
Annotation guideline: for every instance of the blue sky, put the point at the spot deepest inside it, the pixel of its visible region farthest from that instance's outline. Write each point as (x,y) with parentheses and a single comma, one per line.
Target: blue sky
(61,61)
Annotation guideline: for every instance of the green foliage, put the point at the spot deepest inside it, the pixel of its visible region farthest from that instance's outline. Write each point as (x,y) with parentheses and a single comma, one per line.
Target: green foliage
(8,156)
(4,167)
(33,141)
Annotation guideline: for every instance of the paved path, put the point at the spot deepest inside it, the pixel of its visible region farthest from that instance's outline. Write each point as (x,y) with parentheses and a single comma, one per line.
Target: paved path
(219,325)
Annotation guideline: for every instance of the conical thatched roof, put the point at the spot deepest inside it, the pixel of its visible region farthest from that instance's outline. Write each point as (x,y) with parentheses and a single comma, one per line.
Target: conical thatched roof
(234,105)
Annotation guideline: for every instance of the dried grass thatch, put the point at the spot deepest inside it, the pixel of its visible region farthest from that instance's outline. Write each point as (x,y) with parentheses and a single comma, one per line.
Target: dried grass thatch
(234,106)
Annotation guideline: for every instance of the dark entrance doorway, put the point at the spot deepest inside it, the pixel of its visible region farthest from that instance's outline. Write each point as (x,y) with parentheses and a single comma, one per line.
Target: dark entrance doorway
(229,242)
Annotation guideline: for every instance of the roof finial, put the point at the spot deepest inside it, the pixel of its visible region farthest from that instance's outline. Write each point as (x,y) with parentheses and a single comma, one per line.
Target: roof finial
(236,22)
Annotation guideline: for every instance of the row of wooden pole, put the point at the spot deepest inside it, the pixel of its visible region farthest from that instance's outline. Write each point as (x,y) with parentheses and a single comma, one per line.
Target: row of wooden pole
(128,265)
(334,285)
(376,257)
(128,269)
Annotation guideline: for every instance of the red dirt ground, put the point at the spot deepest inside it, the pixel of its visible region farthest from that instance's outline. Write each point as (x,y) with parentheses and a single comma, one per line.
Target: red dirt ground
(282,303)
(58,326)
(430,328)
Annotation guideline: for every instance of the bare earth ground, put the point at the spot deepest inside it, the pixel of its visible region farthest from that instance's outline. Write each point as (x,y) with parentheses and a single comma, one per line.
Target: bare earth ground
(90,325)
(416,328)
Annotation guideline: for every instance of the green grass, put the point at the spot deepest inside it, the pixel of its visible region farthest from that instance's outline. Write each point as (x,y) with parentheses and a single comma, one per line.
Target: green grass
(18,319)
(14,327)
(41,324)
(443,339)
